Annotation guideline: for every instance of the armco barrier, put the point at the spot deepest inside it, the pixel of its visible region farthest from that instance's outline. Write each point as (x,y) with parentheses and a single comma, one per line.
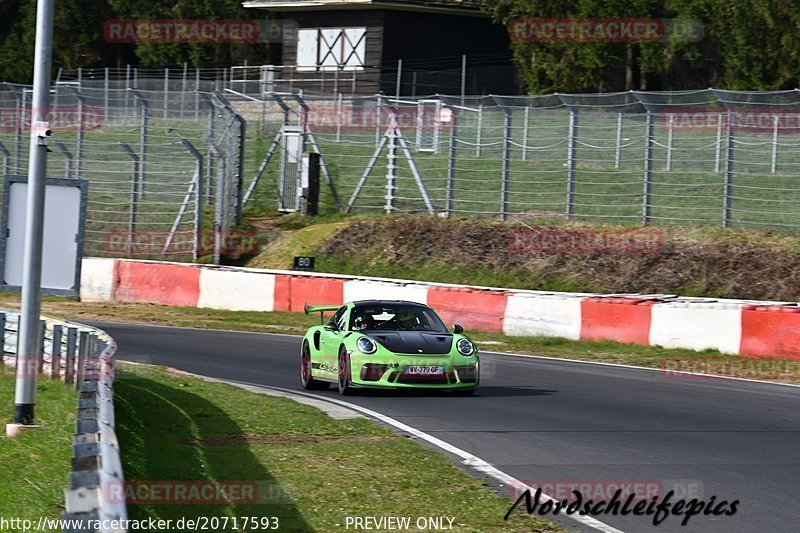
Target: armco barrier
(83,356)
(732,326)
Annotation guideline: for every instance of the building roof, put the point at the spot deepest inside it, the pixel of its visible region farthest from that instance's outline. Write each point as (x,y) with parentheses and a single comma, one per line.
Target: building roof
(463,7)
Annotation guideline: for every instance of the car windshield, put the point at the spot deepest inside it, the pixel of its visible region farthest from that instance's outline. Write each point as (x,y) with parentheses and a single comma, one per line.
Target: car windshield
(395,317)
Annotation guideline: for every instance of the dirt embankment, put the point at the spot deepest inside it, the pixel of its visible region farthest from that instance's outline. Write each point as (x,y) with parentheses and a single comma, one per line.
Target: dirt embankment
(716,263)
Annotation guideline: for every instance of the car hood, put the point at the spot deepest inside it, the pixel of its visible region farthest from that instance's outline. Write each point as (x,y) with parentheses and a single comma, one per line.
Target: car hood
(414,342)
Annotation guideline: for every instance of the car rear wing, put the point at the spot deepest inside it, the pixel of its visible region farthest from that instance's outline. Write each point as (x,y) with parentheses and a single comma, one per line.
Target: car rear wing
(308,309)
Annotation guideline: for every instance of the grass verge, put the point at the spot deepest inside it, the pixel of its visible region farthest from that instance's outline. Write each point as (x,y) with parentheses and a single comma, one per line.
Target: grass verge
(35,464)
(312,471)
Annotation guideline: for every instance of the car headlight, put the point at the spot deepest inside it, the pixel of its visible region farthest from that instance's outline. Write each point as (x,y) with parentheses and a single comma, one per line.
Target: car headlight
(366,345)
(465,347)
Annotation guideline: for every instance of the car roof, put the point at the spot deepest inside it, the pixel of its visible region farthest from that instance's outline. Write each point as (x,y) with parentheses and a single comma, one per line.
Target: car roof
(387,302)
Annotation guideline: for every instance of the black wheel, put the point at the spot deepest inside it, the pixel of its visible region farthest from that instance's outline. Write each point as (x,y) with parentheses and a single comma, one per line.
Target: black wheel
(345,387)
(306,379)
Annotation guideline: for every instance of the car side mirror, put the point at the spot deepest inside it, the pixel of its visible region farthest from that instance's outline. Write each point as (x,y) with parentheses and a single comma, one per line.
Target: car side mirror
(331,327)
(457,329)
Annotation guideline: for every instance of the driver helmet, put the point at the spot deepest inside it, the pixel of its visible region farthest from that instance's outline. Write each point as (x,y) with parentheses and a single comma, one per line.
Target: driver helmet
(405,320)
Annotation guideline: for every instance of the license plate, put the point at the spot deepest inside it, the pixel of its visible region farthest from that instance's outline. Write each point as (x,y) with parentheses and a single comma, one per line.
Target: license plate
(425,370)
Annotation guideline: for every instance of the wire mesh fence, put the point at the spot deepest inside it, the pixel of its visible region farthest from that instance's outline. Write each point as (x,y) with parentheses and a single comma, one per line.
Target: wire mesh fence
(710,157)
(171,173)
(156,163)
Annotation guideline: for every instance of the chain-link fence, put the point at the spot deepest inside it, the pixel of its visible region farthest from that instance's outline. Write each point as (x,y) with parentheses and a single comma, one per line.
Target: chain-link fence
(709,157)
(169,174)
(164,169)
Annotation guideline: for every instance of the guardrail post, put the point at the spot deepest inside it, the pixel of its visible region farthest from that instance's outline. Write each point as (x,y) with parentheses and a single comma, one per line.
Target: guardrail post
(55,353)
(618,149)
(69,356)
(83,350)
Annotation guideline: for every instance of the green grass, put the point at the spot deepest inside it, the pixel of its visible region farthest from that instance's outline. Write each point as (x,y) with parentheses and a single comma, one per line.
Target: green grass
(313,471)
(36,464)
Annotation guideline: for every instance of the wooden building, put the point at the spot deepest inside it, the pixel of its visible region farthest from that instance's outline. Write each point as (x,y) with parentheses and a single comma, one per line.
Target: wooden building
(357,44)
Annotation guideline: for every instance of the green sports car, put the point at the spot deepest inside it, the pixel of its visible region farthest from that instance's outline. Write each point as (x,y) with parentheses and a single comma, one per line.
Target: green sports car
(387,344)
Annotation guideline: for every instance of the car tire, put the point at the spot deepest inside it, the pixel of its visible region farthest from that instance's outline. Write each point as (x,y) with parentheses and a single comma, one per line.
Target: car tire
(345,387)
(306,378)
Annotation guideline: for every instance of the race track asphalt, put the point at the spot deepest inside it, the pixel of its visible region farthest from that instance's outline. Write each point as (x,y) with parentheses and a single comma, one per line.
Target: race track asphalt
(560,423)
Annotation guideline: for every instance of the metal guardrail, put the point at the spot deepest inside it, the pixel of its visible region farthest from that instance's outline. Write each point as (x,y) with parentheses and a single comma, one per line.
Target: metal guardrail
(82,356)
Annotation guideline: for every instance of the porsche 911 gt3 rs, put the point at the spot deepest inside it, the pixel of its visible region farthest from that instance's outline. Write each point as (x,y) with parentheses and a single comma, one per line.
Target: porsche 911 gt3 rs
(387,344)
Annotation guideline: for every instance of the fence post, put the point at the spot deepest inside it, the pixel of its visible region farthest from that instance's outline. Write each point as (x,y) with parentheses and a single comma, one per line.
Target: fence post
(451,167)
(145,112)
(79,138)
(6,159)
(69,356)
(134,197)
(166,92)
(20,116)
(618,148)
(67,157)
(105,98)
(196,94)
(339,104)
(670,132)
(391,164)
(41,338)
(55,353)
(728,198)
(311,205)
(648,169)
(525,133)
(83,350)
(571,163)
(183,88)
(774,166)
(127,86)
(198,192)
(506,164)
(479,133)
(2,341)
(717,156)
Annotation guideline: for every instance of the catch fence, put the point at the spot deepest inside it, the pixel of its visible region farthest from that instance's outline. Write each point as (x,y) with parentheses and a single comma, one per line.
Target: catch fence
(172,173)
